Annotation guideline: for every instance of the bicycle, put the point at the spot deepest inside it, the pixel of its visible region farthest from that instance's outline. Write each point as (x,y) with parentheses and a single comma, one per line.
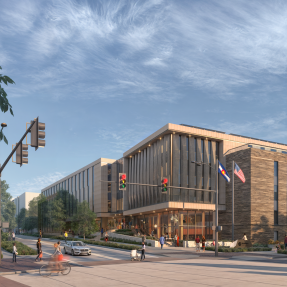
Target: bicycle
(55,267)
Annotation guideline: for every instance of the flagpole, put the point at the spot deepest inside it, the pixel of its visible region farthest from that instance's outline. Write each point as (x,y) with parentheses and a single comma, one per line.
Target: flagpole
(232,200)
(216,211)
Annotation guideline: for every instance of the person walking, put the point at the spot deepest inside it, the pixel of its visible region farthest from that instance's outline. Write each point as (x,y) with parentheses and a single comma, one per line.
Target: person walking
(143,252)
(66,235)
(39,249)
(175,240)
(161,241)
(106,236)
(13,236)
(40,233)
(285,241)
(197,241)
(203,243)
(244,236)
(14,252)
(102,232)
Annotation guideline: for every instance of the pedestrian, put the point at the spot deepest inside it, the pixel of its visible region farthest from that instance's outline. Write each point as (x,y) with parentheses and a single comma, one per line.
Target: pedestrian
(40,233)
(203,243)
(175,239)
(14,252)
(285,241)
(13,236)
(197,241)
(39,249)
(66,235)
(106,236)
(244,236)
(143,252)
(161,241)
(152,233)
(102,232)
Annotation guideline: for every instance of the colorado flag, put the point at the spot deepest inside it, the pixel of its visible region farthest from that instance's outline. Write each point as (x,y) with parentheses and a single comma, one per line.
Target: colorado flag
(223,172)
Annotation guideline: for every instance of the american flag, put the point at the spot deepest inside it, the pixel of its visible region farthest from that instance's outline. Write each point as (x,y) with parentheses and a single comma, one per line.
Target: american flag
(239,172)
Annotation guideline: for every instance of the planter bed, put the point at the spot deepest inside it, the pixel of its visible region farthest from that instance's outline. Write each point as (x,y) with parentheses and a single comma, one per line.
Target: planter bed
(124,241)
(22,249)
(250,249)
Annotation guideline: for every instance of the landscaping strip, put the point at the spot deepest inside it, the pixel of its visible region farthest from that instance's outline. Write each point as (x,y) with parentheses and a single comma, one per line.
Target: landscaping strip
(22,249)
(250,249)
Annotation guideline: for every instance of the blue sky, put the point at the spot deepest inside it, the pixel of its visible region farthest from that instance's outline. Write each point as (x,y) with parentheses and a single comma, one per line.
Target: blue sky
(103,75)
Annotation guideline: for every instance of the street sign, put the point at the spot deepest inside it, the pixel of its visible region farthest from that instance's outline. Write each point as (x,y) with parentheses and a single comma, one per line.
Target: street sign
(5,224)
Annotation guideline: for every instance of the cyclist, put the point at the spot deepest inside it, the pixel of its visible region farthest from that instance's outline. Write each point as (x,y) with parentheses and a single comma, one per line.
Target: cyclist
(57,256)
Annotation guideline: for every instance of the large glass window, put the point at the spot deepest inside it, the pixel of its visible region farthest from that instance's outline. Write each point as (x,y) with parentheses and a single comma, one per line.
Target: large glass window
(88,186)
(275,192)
(93,178)
(195,159)
(187,148)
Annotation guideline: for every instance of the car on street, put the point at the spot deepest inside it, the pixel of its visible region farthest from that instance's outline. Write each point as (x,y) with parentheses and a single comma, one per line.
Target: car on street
(77,248)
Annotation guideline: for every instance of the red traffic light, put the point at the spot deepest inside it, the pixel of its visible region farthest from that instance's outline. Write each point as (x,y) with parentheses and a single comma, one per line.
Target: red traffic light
(165,180)
(123,176)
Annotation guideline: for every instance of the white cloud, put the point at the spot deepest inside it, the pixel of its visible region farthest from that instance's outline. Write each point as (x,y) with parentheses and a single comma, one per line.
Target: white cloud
(35,184)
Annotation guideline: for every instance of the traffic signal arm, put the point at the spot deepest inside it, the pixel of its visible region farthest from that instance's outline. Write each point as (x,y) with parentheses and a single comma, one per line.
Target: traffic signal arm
(16,147)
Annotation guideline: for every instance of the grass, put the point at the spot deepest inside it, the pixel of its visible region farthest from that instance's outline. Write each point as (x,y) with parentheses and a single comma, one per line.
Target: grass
(22,249)
(250,249)
(124,241)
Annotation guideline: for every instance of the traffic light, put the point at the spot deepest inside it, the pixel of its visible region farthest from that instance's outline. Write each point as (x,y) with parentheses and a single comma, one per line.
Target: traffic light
(164,182)
(37,133)
(22,154)
(122,181)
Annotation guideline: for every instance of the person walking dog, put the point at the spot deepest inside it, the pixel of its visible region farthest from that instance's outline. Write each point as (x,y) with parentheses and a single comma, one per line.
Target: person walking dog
(14,252)
(39,249)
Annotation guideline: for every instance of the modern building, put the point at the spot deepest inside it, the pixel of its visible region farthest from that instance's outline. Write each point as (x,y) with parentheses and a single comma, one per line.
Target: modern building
(186,156)
(22,201)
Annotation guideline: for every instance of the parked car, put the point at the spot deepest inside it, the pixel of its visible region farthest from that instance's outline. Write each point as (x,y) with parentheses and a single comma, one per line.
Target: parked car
(77,248)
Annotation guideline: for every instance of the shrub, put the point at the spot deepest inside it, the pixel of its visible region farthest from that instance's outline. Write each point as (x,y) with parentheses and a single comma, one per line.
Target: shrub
(250,249)
(270,241)
(22,249)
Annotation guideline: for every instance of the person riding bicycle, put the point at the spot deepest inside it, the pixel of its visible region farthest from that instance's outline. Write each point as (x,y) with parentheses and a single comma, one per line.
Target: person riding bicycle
(57,256)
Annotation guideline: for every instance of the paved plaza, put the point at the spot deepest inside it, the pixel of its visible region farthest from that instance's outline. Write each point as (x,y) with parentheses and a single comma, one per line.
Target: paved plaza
(191,272)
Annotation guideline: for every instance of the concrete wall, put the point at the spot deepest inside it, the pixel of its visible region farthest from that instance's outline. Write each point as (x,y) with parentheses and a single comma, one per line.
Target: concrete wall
(22,201)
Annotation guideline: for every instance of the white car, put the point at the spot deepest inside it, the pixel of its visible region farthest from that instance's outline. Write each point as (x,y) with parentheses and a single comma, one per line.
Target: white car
(77,248)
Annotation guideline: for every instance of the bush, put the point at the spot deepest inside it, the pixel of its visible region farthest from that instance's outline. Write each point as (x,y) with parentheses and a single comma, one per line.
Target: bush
(111,244)
(282,251)
(270,241)
(250,249)
(22,249)
(114,239)
(123,230)
(259,245)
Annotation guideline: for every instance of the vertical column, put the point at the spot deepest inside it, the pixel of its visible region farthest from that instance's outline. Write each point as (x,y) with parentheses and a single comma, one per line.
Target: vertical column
(141,179)
(198,170)
(127,195)
(206,171)
(138,180)
(144,175)
(159,168)
(168,164)
(135,180)
(114,187)
(213,173)
(192,168)
(132,186)
(180,226)
(222,182)
(104,189)
(155,171)
(90,188)
(147,175)
(175,166)
(183,168)
(151,174)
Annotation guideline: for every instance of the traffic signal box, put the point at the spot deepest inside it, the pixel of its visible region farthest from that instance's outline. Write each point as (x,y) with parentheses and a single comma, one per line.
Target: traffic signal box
(122,181)
(22,154)
(38,134)
(164,182)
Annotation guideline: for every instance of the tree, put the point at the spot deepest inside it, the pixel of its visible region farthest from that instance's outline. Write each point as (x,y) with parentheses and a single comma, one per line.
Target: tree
(20,218)
(84,221)
(57,214)
(8,208)
(4,103)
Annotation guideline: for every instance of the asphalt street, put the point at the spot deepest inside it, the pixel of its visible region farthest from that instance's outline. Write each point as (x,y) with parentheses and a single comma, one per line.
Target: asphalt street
(99,253)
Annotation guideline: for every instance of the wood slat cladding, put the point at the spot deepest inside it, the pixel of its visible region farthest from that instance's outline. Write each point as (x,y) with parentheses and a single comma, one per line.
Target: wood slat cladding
(175,167)
(151,174)
(183,168)
(192,168)
(126,194)
(254,199)
(144,176)
(159,168)
(168,163)
(104,196)
(206,169)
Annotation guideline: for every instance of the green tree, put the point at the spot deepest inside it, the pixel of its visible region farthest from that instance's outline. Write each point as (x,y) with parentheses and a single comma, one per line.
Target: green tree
(20,218)
(84,221)
(8,208)
(4,103)
(57,214)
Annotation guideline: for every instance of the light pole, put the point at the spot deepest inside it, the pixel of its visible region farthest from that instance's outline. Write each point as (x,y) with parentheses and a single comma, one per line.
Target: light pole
(216,202)
(3,125)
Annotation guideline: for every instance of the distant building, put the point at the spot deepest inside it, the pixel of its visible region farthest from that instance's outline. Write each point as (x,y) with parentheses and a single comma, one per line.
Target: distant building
(22,201)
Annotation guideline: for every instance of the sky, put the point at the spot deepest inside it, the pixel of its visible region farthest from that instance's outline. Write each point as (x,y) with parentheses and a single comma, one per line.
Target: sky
(103,75)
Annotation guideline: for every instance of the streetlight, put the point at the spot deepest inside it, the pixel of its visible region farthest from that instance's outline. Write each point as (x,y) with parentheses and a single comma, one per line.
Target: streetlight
(216,202)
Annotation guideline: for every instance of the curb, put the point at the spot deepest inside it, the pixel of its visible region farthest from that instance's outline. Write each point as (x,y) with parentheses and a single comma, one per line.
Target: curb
(19,272)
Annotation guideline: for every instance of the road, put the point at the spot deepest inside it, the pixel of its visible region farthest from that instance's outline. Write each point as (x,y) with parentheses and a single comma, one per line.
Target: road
(99,253)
